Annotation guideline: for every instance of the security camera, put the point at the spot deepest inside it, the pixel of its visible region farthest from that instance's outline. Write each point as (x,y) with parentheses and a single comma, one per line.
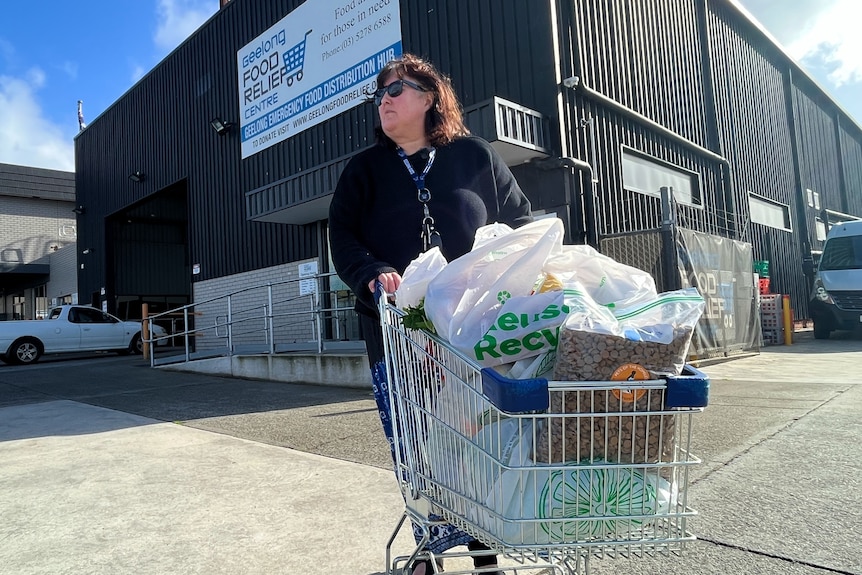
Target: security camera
(571,82)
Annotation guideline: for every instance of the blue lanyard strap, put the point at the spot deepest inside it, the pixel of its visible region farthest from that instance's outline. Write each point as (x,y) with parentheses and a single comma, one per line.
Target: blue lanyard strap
(430,236)
(419,179)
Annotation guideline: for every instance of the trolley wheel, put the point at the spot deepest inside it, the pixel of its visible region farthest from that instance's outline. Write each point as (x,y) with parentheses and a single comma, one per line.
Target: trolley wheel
(290,80)
(299,76)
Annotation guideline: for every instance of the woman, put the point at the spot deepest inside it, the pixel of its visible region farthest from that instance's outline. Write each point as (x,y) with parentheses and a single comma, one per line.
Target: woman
(427,182)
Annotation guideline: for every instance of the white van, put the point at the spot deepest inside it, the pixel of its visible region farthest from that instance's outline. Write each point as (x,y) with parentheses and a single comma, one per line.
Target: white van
(836,302)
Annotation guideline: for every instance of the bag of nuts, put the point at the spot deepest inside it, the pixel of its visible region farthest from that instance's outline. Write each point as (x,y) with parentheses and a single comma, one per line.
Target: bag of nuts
(617,424)
(610,424)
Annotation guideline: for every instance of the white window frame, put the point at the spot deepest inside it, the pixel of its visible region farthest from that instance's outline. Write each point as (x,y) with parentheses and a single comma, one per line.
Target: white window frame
(758,201)
(690,197)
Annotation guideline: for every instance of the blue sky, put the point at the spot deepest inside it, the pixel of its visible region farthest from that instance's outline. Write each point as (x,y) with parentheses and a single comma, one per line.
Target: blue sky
(55,52)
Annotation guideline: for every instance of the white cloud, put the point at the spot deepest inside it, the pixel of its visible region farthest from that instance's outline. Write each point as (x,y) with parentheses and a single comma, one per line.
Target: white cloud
(70,68)
(177,19)
(137,72)
(26,136)
(831,40)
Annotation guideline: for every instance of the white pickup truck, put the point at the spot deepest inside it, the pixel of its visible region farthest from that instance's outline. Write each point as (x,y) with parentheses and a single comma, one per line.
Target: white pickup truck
(70,328)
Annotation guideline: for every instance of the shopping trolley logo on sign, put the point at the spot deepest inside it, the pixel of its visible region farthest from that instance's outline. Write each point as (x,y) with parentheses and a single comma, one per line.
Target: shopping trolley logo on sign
(293,59)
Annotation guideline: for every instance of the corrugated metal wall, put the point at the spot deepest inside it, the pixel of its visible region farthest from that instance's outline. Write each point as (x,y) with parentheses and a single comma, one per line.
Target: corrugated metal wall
(488,47)
(701,70)
(646,57)
(755,131)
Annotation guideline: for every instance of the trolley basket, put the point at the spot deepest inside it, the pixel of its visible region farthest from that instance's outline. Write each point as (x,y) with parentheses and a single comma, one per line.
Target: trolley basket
(546,473)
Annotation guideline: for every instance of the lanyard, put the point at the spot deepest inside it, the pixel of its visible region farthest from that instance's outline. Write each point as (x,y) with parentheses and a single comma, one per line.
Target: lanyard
(419,179)
(430,236)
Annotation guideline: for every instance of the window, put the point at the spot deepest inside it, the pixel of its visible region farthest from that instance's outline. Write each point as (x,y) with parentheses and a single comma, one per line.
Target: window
(842,253)
(19,307)
(646,175)
(85,315)
(820,229)
(769,213)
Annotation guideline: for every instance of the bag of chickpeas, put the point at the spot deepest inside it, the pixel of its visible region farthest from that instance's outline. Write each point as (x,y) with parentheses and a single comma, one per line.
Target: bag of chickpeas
(622,424)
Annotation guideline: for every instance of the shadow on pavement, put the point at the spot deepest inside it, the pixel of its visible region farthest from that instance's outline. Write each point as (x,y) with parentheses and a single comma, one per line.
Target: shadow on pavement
(128,385)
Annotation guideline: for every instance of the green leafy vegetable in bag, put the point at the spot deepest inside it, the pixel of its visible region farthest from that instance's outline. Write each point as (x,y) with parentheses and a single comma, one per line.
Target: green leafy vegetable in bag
(415,318)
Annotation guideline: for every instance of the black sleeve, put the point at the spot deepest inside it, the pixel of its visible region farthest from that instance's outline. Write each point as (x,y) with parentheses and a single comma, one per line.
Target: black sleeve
(514,210)
(355,265)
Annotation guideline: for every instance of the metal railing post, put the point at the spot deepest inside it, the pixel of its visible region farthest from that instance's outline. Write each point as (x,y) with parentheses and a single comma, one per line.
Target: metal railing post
(186,332)
(270,330)
(229,326)
(152,357)
(318,325)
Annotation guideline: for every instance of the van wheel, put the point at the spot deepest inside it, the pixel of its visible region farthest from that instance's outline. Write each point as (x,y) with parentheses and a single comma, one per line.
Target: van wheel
(821,330)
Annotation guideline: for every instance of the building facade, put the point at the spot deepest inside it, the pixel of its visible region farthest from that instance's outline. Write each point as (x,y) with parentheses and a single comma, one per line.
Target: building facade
(200,175)
(38,237)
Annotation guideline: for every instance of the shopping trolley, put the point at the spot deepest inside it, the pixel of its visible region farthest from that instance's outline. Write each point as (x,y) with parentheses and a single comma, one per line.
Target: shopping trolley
(548,474)
(294,60)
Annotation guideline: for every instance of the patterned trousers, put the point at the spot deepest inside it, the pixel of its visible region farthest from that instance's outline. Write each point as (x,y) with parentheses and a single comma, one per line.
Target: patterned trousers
(443,536)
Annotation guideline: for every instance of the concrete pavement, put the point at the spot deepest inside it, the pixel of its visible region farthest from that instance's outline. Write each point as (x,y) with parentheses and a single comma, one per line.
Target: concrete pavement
(109,467)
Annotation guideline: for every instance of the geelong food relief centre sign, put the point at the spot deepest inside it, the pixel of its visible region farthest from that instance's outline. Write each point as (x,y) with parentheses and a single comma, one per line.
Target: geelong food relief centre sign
(315,63)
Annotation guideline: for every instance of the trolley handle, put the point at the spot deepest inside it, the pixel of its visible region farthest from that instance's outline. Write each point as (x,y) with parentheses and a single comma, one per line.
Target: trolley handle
(379,292)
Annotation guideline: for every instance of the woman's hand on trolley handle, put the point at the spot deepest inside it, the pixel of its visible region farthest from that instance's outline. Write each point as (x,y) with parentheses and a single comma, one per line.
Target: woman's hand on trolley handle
(389,281)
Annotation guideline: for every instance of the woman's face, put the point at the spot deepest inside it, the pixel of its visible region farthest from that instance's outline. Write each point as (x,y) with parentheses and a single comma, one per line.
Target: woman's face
(402,117)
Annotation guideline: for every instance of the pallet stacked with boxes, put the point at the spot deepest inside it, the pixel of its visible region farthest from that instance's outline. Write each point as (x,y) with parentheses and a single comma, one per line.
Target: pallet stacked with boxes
(771,319)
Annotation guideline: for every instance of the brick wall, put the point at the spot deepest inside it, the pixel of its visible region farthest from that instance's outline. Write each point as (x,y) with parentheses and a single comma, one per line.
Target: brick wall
(30,228)
(249,299)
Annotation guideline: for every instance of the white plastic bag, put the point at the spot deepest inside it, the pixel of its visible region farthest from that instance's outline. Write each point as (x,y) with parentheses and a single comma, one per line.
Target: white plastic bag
(490,232)
(577,503)
(525,326)
(607,281)
(492,449)
(464,299)
(417,276)
(536,366)
(654,335)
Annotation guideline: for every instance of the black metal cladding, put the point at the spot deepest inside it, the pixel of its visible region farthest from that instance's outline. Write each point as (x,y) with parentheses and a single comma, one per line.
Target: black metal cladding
(701,70)
(754,123)
(646,57)
(488,47)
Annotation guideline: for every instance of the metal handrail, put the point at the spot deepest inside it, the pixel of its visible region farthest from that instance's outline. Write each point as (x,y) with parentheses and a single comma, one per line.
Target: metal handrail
(275,318)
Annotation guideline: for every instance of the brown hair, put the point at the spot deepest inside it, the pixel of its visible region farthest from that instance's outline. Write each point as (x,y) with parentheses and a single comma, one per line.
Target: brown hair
(444,121)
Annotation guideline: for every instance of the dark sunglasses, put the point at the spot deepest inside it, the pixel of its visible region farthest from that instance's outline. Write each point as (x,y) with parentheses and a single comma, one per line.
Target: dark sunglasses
(394,89)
